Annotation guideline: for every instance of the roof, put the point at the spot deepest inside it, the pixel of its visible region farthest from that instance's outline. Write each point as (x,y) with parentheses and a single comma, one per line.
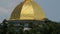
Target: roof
(28,11)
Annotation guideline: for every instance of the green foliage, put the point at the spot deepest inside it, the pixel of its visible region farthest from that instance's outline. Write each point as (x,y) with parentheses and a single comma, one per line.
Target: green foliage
(46,27)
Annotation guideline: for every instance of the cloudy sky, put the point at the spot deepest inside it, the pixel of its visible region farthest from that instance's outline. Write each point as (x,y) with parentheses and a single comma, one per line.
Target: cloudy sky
(51,8)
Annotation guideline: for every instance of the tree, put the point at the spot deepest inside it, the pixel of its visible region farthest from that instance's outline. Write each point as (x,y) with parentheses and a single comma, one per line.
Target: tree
(26,32)
(4,26)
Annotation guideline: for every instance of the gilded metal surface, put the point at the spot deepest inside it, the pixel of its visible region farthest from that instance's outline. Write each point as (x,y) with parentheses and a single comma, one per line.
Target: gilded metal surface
(28,10)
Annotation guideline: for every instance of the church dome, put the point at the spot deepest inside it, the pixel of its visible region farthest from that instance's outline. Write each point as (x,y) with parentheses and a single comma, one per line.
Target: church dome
(28,10)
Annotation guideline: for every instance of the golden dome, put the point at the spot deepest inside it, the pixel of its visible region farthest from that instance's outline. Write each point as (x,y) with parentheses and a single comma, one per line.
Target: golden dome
(28,11)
